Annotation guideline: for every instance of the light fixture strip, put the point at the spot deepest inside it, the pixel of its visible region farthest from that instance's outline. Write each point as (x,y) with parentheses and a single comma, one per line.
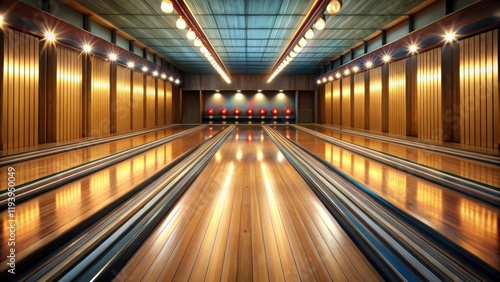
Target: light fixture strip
(316,10)
(183,10)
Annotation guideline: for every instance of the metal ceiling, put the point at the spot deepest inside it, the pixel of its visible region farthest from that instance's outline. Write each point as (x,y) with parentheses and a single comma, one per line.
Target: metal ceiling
(249,35)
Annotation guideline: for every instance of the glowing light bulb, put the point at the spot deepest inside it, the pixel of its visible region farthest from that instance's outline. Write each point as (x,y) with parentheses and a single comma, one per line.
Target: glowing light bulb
(167,7)
(320,24)
(181,23)
(191,35)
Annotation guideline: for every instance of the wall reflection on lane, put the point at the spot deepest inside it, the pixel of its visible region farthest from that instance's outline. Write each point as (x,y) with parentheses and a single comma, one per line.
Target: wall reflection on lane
(473,225)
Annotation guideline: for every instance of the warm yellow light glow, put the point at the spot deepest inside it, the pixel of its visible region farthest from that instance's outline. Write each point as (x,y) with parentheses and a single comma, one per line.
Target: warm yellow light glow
(413,48)
(181,23)
(197,42)
(355,69)
(1,21)
(386,58)
(239,155)
(171,78)
(347,72)
(296,49)
(155,73)
(449,36)
(324,79)
(191,35)
(163,76)
(293,54)
(369,64)
(50,36)
(167,7)
(87,48)
(177,81)
(338,75)
(302,42)
(112,57)
(309,34)
(318,81)
(334,7)
(320,23)
(144,69)
(330,78)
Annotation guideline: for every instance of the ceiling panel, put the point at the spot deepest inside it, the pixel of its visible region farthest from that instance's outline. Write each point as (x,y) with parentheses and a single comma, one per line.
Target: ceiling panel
(249,35)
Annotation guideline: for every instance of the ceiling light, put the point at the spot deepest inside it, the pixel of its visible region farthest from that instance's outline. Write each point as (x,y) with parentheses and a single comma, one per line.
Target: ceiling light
(293,54)
(318,81)
(386,58)
(50,36)
(181,23)
(334,7)
(155,73)
(309,34)
(1,20)
(337,75)
(347,72)
(449,36)
(197,42)
(167,7)
(177,81)
(87,48)
(355,69)
(296,49)
(369,64)
(302,42)
(320,23)
(113,57)
(191,35)
(203,49)
(130,65)
(413,48)
(164,76)
(324,79)
(171,78)
(144,69)
(330,78)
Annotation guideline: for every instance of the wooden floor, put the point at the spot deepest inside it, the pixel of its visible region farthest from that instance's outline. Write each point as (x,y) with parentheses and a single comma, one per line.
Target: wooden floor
(44,166)
(248,217)
(41,219)
(467,221)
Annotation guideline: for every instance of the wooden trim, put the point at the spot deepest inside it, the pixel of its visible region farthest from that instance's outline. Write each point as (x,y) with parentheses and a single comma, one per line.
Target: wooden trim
(411,97)
(113,109)
(2,62)
(86,94)
(450,91)
(353,101)
(47,91)
(367,100)
(385,98)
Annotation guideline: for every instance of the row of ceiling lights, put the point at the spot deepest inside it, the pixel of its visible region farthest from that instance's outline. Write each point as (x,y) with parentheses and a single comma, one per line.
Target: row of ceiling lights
(50,36)
(333,8)
(386,58)
(168,7)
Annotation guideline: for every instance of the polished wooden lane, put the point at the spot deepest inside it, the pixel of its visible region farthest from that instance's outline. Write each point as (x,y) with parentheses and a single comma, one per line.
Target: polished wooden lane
(466,168)
(41,167)
(248,216)
(43,218)
(466,221)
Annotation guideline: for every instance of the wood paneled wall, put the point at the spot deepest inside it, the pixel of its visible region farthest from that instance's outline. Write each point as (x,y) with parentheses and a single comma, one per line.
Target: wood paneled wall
(359,101)
(429,95)
(78,95)
(479,94)
(376,99)
(160,115)
(397,98)
(346,101)
(172,115)
(336,103)
(69,95)
(99,101)
(19,97)
(123,99)
(328,102)
(150,102)
(138,100)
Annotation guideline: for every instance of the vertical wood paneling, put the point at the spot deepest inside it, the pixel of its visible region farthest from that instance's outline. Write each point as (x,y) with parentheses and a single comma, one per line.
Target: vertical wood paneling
(169,113)
(99,106)
(359,100)
(479,94)
(20,90)
(150,102)
(397,98)
(429,95)
(328,103)
(346,101)
(138,101)
(160,116)
(376,99)
(69,95)
(123,96)
(336,103)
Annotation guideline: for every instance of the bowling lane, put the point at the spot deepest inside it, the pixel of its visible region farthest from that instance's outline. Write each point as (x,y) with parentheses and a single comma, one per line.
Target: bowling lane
(41,167)
(466,168)
(42,219)
(466,221)
(248,216)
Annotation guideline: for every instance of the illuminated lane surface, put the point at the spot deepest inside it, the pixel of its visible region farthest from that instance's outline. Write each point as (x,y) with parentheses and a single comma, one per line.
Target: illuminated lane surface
(248,216)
